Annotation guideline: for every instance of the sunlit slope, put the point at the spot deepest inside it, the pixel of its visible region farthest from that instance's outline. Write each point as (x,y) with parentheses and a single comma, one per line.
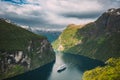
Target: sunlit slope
(109,72)
(68,38)
(98,40)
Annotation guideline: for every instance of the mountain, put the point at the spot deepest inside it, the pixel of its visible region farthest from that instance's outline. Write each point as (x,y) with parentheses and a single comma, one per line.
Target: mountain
(98,40)
(22,50)
(51,35)
(109,72)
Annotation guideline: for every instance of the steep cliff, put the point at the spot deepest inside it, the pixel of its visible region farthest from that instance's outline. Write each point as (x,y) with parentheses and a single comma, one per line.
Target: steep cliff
(99,40)
(21,50)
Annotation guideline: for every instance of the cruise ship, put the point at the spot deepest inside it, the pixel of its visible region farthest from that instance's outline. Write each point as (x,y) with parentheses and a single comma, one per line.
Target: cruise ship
(61,68)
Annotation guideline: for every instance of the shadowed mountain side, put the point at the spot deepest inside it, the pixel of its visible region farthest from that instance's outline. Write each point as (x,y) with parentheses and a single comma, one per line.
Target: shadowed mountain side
(21,50)
(41,73)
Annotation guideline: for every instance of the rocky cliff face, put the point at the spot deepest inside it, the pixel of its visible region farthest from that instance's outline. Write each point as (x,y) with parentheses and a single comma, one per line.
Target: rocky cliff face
(23,52)
(99,40)
(109,20)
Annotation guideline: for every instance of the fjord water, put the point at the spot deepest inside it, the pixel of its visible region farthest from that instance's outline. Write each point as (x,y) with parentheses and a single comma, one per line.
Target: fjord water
(75,64)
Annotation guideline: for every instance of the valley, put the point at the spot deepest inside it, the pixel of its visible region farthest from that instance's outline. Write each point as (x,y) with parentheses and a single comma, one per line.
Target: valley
(90,51)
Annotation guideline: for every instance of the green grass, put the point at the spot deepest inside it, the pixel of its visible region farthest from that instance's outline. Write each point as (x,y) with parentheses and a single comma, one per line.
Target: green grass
(109,72)
(13,37)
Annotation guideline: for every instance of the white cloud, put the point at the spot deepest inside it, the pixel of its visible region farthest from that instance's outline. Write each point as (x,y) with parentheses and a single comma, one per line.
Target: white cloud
(47,13)
(25,9)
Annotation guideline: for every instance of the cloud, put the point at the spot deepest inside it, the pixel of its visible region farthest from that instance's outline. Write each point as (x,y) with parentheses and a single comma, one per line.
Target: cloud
(54,13)
(81,15)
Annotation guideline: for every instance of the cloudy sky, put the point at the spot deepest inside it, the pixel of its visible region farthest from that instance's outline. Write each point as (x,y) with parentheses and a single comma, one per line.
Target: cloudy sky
(54,14)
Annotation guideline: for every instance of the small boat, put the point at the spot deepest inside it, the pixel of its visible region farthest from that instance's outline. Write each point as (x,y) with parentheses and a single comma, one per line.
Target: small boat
(61,68)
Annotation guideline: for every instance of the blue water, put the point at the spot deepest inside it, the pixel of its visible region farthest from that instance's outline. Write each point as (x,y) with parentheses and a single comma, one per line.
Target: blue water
(75,64)
(51,35)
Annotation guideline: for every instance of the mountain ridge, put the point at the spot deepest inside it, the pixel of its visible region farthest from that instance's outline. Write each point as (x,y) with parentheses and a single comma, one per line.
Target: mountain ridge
(97,40)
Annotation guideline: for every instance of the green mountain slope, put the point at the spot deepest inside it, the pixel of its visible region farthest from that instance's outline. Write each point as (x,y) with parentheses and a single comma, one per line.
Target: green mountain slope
(99,40)
(109,72)
(21,50)
(13,37)
(68,38)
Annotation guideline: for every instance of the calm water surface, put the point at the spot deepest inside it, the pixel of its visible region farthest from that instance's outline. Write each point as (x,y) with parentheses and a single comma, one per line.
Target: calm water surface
(76,65)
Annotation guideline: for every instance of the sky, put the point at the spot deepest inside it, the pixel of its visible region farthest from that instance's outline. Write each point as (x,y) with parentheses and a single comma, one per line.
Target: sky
(54,14)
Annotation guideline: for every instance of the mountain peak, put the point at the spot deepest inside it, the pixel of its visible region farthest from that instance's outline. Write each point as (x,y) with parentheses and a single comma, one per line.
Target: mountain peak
(6,20)
(114,11)
(109,20)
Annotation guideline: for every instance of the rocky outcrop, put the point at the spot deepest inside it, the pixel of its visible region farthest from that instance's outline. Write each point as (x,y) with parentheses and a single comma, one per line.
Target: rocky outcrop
(26,52)
(24,58)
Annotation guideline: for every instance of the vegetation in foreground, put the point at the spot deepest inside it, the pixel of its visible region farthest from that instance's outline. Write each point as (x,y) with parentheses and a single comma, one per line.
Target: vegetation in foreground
(109,72)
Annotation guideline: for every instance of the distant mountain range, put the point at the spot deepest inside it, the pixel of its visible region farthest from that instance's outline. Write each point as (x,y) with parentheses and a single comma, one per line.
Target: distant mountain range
(51,35)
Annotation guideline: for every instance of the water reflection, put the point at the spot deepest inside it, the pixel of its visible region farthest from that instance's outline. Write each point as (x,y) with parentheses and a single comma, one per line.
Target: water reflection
(41,73)
(70,73)
(75,64)
(80,62)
